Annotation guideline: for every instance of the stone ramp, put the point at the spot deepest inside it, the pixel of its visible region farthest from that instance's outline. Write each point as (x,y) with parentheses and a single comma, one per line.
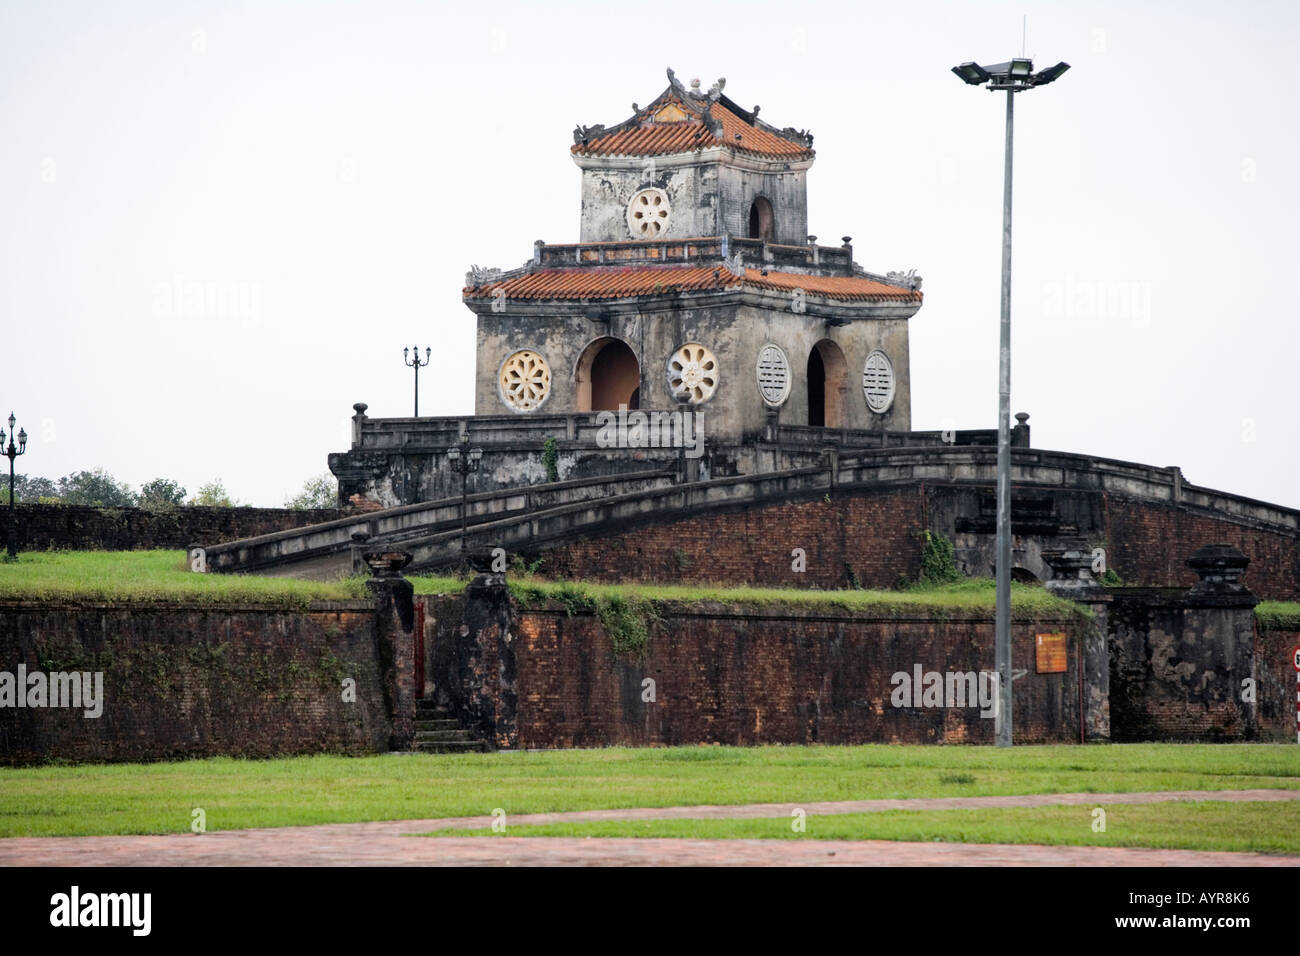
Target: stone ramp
(326,550)
(533,518)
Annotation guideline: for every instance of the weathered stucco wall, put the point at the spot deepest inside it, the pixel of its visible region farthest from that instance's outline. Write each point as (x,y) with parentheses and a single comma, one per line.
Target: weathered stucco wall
(733,327)
(1178,665)
(708,197)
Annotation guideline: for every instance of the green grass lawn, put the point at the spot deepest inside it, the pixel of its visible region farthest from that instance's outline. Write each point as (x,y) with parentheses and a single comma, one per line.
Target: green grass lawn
(1261,827)
(158,798)
(975,595)
(164,576)
(152,576)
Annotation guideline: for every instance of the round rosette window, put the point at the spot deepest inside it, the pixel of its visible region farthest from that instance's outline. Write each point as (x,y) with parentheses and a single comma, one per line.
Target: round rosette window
(648,214)
(692,374)
(525,380)
(773,375)
(878,381)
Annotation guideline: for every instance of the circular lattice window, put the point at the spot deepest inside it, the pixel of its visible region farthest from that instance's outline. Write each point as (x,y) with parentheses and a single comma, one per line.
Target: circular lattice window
(692,374)
(525,380)
(878,381)
(773,375)
(648,214)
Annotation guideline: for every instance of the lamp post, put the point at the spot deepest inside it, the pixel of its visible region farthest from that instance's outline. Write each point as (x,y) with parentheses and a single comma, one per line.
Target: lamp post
(463,460)
(11,452)
(1014,77)
(412,359)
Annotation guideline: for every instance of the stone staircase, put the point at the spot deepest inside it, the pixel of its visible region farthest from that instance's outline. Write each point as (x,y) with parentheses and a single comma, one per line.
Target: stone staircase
(438,732)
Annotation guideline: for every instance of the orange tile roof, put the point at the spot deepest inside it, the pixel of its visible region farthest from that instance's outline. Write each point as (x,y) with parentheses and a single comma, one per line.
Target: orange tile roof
(648,138)
(835,287)
(596,283)
(602,283)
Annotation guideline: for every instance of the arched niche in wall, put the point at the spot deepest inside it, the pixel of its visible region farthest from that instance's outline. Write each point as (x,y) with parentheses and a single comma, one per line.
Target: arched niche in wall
(762,224)
(608,375)
(827,381)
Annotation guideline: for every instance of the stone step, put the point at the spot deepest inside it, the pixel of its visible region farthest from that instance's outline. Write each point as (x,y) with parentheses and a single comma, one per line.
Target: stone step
(440,723)
(437,730)
(451,746)
(459,734)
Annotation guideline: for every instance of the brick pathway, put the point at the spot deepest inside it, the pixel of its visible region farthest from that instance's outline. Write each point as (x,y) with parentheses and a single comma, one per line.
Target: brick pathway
(390,843)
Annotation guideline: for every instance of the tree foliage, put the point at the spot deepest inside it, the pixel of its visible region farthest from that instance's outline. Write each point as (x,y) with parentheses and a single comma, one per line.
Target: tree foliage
(161,493)
(213,494)
(319,491)
(29,490)
(96,488)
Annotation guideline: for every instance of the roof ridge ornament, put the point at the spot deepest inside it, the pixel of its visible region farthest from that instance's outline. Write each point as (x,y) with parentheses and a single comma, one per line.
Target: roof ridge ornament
(481,275)
(908,280)
(713,94)
(735,265)
(797,136)
(583,133)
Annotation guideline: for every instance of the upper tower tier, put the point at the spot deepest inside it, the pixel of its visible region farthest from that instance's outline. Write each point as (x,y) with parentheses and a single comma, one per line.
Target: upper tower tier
(693,163)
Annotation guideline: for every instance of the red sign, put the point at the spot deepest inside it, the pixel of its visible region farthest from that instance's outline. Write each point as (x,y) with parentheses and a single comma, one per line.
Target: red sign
(1295,658)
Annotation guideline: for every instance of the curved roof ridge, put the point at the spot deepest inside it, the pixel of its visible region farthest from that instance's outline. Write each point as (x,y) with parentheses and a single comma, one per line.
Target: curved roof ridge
(713,120)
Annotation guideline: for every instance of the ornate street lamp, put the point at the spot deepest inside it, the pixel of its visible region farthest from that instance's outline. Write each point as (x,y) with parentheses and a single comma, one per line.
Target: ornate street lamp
(464,460)
(1013,76)
(12,452)
(412,359)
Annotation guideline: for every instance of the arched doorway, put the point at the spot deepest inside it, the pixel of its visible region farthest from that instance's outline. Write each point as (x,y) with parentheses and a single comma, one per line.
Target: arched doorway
(761,223)
(608,376)
(827,380)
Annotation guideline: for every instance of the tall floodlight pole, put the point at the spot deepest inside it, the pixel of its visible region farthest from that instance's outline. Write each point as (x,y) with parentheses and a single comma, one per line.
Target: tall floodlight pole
(1013,76)
(417,365)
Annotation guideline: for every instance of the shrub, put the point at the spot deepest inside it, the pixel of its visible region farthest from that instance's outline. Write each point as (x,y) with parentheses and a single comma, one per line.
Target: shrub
(551,459)
(213,494)
(938,565)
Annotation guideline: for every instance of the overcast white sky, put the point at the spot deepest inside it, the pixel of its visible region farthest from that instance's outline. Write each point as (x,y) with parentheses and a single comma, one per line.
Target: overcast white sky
(328,172)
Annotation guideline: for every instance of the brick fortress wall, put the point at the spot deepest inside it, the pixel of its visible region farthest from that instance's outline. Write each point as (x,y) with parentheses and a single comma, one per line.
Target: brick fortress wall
(78,528)
(198,682)
(730,674)
(1277,688)
(873,538)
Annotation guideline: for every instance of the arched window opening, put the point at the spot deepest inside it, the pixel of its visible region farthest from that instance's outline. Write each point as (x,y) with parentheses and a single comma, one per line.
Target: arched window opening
(761,223)
(608,376)
(827,380)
